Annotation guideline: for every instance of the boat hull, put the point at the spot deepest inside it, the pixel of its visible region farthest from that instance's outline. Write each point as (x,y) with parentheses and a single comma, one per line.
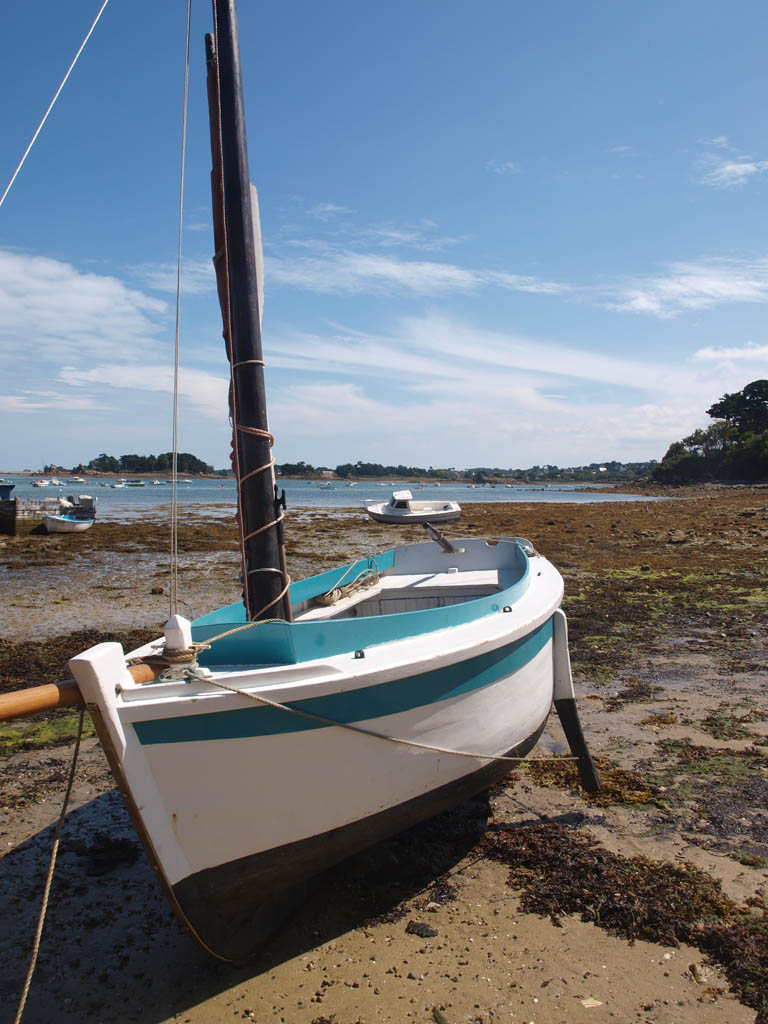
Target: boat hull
(406,518)
(64,524)
(238,802)
(220,901)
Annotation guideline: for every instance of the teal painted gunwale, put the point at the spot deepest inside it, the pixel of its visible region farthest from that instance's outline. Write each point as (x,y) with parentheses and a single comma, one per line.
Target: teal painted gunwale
(290,643)
(362,704)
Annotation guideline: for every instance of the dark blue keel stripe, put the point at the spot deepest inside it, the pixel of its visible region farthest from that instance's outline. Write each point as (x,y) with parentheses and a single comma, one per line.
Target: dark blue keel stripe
(355,705)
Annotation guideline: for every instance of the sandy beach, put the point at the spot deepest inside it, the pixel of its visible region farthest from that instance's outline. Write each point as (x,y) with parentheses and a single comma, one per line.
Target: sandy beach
(530,904)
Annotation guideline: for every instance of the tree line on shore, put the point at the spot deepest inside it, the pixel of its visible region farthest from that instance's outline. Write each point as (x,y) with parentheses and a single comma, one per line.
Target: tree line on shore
(185,463)
(605,472)
(732,449)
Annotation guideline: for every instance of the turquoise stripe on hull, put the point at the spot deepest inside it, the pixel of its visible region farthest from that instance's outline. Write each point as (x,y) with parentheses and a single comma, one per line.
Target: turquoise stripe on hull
(363,704)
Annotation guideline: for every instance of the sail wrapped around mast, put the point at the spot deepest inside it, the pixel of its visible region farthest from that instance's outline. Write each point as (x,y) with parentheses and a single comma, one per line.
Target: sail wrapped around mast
(239,279)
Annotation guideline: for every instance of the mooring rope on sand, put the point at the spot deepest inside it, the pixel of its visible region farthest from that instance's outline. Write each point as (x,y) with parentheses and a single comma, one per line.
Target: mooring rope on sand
(51,866)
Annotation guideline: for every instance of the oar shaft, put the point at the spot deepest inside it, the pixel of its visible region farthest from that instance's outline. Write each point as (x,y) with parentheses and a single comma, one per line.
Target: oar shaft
(37,699)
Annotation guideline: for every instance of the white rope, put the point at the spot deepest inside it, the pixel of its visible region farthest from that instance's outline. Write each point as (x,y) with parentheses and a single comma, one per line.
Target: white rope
(259,699)
(50,106)
(174,584)
(49,879)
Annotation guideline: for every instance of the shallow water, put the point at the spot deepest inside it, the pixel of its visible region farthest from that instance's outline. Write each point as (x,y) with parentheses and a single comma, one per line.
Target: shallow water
(218,498)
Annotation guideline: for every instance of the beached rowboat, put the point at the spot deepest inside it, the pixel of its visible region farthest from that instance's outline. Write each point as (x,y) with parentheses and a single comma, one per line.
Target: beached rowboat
(241,787)
(67,524)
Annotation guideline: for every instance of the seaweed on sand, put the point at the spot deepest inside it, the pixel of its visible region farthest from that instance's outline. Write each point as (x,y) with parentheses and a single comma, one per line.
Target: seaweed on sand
(560,873)
(36,662)
(620,786)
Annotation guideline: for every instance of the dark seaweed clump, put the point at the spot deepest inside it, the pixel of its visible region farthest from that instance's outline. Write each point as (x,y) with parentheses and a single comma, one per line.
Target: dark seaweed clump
(620,785)
(560,873)
(37,662)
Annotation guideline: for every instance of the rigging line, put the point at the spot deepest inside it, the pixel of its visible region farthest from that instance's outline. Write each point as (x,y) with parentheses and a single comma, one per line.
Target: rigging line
(259,698)
(174,586)
(49,878)
(50,106)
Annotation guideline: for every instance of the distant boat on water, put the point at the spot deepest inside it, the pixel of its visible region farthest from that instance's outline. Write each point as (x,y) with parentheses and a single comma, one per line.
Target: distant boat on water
(402,509)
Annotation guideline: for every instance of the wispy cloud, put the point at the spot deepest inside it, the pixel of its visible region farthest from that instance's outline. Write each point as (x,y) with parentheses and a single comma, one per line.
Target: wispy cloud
(52,310)
(693,285)
(206,392)
(346,271)
(542,397)
(503,166)
(722,166)
(197,276)
(39,401)
(324,211)
(750,352)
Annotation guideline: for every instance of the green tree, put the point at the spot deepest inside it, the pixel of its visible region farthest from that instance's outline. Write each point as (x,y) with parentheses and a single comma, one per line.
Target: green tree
(746,409)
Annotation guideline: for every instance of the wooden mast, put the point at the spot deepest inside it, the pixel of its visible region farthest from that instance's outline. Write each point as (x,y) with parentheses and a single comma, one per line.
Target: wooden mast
(259,514)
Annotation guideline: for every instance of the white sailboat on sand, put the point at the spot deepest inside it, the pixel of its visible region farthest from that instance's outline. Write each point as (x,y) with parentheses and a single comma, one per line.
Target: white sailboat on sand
(272,738)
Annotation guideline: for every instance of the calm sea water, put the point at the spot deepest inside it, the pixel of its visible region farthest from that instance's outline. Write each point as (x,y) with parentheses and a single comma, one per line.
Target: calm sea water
(217,497)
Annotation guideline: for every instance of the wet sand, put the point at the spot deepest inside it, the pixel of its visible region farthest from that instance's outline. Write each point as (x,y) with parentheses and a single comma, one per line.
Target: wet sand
(666,604)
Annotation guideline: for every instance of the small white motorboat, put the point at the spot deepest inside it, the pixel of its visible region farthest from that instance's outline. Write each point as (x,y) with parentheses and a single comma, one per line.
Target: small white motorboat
(401,508)
(67,524)
(40,483)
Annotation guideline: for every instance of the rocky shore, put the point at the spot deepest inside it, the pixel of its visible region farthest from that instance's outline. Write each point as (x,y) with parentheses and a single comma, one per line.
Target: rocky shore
(531,903)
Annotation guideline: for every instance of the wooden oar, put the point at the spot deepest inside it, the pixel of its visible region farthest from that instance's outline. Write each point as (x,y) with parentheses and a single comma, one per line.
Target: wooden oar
(37,699)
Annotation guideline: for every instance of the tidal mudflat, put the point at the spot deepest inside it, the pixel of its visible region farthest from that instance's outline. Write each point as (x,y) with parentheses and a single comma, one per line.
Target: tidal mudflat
(531,903)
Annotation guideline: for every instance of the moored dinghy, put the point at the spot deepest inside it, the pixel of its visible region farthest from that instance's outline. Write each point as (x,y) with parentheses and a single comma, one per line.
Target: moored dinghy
(270,739)
(67,524)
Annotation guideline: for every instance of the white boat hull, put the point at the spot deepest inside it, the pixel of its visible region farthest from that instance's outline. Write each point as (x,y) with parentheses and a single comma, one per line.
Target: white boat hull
(66,524)
(238,802)
(402,509)
(433,514)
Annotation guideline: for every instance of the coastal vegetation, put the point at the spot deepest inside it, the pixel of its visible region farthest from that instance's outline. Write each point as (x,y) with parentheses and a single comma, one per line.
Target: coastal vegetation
(732,449)
(186,463)
(604,472)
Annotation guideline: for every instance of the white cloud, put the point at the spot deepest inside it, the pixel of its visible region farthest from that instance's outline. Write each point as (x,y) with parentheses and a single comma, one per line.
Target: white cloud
(750,352)
(52,310)
(205,391)
(727,168)
(38,401)
(693,285)
(503,166)
(358,272)
(324,211)
(197,276)
(437,390)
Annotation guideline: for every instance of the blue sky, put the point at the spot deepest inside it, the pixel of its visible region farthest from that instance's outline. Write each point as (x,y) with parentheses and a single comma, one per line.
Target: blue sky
(495,233)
